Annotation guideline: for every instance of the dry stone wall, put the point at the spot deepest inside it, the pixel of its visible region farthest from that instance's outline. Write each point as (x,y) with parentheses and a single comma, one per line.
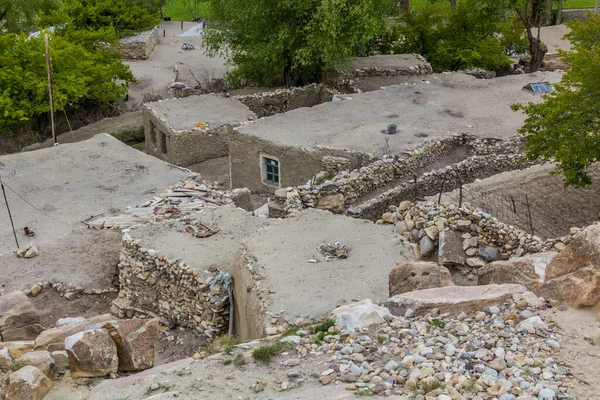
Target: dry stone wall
(445,179)
(282,100)
(140,46)
(177,294)
(465,237)
(342,190)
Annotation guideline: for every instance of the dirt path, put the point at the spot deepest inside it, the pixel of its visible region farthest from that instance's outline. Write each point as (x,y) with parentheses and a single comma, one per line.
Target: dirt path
(580,350)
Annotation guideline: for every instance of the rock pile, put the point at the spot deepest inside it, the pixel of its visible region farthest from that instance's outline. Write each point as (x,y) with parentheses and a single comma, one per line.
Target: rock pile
(501,352)
(97,347)
(179,200)
(336,193)
(466,237)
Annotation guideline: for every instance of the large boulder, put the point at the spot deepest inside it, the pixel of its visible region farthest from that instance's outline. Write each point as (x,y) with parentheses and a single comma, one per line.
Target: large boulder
(333,202)
(416,276)
(452,299)
(19,319)
(359,315)
(42,360)
(450,248)
(28,383)
(54,339)
(92,353)
(136,342)
(573,276)
(529,270)
(18,348)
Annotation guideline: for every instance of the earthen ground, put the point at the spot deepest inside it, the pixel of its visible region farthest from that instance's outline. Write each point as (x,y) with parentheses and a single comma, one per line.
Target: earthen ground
(554,208)
(67,184)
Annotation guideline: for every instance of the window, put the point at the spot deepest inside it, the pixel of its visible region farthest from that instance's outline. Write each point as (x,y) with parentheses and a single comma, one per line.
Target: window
(163,142)
(153,132)
(271,168)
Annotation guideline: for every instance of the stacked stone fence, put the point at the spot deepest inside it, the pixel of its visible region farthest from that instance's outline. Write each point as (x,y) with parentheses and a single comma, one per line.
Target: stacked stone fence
(140,46)
(446,179)
(343,76)
(340,191)
(282,100)
(467,237)
(170,289)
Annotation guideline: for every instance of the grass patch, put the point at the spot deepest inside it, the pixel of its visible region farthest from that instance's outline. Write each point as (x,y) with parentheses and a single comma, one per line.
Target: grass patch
(130,136)
(177,11)
(323,326)
(579,4)
(224,343)
(430,385)
(436,324)
(239,360)
(589,340)
(267,352)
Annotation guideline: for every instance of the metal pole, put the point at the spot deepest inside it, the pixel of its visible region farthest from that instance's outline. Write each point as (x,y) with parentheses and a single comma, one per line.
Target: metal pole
(50,88)
(9,214)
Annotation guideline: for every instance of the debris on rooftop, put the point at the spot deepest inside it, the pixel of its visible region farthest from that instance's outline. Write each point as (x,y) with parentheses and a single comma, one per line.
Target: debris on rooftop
(182,199)
(332,251)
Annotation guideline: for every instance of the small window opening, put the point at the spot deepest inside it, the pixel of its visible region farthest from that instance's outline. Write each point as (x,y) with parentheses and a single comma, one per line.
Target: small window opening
(153,132)
(163,142)
(271,170)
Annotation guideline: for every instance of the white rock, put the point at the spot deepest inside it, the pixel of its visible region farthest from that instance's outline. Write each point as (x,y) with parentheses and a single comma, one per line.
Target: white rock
(359,315)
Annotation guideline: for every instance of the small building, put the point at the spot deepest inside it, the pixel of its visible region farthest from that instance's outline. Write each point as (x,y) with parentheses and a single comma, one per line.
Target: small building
(194,129)
(290,149)
(271,270)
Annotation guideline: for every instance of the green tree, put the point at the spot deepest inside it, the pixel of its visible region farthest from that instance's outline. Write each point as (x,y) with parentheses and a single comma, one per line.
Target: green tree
(292,39)
(457,36)
(85,73)
(125,16)
(566,126)
(22,15)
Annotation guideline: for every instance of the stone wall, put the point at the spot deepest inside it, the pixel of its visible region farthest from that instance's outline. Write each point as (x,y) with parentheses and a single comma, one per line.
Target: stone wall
(349,187)
(140,46)
(282,100)
(576,15)
(466,238)
(177,294)
(365,67)
(445,179)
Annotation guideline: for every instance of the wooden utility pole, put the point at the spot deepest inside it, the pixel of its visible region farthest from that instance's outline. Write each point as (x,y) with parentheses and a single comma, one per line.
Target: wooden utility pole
(49,72)
(9,214)
(597,6)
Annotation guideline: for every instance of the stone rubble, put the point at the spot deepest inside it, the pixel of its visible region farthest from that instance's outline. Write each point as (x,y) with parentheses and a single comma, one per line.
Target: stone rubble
(179,200)
(491,354)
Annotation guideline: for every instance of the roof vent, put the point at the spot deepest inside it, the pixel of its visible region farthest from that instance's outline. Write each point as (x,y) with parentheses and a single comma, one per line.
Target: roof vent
(391,129)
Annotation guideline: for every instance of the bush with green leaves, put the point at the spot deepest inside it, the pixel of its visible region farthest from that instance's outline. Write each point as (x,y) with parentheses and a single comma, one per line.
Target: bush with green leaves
(85,73)
(472,34)
(292,40)
(125,16)
(565,127)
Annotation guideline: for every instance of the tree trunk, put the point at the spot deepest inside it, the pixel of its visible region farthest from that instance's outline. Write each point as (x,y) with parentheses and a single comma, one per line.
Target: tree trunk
(559,13)
(538,51)
(453,3)
(406,4)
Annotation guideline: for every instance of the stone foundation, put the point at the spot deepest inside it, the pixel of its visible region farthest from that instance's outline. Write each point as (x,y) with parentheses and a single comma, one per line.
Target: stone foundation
(171,290)
(282,100)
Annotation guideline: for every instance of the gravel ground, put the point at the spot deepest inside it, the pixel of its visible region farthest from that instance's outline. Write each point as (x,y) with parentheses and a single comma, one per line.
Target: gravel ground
(501,353)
